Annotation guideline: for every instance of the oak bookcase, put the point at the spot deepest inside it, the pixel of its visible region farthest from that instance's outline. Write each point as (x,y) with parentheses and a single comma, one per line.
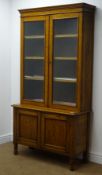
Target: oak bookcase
(56,80)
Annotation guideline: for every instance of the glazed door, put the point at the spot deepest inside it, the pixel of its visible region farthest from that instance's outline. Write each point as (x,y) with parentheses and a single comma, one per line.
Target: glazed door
(34,69)
(64,61)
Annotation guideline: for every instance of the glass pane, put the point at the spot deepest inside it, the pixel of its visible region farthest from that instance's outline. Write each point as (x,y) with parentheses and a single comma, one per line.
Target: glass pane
(34,67)
(64,68)
(34,61)
(65,47)
(64,93)
(65,26)
(65,61)
(36,91)
(34,28)
(34,47)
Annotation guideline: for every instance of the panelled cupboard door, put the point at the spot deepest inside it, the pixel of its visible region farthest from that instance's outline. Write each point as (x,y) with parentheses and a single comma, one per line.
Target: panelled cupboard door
(27,123)
(65,60)
(34,62)
(54,132)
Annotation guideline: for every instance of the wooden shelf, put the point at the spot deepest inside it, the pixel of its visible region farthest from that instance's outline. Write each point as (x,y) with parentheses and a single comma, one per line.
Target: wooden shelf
(64,103)
(69,80)
(65,58)
(34,58)
(36,100)
(34,37)
(56,58)
(35,77)
(66,35)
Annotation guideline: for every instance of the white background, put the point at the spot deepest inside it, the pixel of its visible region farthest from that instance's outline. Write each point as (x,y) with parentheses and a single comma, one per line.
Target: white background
(5,70)
(10,66)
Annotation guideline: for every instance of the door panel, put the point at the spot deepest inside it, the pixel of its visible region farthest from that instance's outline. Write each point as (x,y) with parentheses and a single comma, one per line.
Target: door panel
(54,131)
(28,127)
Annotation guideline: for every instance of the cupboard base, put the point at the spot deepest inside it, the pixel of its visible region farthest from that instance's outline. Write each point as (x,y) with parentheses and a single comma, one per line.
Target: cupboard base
(50,131)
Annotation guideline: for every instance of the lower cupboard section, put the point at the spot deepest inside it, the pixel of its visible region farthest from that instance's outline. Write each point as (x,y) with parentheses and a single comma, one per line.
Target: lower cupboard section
(58,133)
